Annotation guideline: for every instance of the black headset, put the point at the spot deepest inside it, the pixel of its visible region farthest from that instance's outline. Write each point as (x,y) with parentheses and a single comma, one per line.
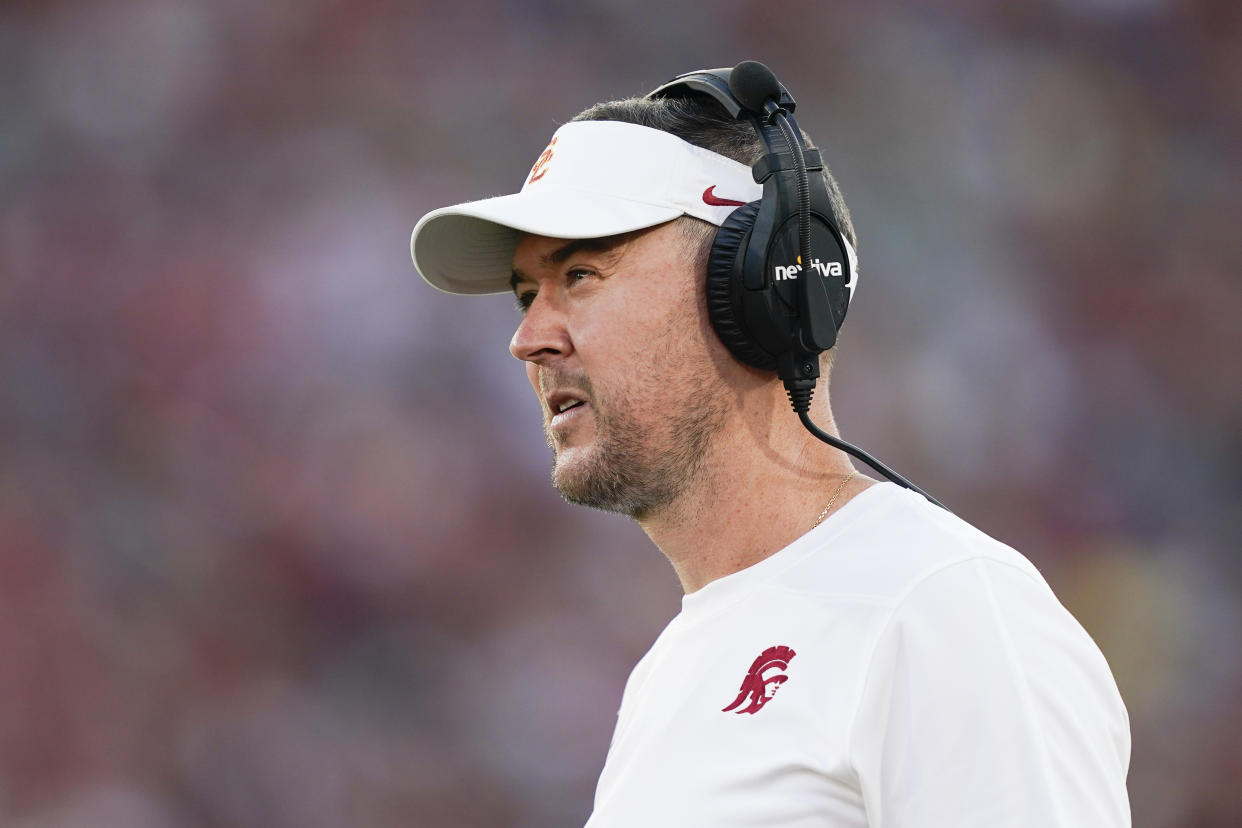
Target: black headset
(769,307)
(778,275)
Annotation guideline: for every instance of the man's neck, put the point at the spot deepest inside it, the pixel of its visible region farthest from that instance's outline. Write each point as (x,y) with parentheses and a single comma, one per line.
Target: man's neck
(759,490)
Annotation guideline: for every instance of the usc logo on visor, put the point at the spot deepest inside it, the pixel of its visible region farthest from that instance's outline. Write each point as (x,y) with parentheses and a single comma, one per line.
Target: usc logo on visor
(541,163)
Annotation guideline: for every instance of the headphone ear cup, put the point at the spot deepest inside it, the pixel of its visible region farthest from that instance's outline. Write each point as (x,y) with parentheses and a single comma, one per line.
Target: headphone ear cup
(724,288)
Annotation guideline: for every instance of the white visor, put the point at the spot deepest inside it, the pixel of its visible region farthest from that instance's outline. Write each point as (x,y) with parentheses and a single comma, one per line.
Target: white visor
(595,179)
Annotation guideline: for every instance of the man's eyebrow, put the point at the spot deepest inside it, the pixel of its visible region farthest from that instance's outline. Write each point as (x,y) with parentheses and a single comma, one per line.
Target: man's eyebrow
(558,256)
(598,245)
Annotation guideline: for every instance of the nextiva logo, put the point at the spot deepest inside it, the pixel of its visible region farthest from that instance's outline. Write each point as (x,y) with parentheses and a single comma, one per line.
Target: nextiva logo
(791,272)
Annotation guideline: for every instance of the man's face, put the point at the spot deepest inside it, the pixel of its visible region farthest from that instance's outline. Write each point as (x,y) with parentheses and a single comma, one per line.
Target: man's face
(619,352)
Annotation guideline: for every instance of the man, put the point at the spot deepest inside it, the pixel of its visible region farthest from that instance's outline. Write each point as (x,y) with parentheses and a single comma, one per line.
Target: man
(847,653)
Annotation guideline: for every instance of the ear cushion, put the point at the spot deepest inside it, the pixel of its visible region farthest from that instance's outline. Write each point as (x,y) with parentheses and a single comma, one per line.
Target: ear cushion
(724,288)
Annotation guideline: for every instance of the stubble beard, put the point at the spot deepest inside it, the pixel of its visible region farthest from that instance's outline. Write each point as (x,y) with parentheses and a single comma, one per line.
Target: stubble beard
(639,468)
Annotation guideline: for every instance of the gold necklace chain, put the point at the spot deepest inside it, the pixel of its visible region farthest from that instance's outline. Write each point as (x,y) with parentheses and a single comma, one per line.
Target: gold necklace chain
(834,497)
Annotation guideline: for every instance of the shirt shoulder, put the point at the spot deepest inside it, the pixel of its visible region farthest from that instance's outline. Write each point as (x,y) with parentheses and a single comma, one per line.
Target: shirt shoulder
(886,542)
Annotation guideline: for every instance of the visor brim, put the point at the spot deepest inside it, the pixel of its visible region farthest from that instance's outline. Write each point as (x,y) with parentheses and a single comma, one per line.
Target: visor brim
(468,248)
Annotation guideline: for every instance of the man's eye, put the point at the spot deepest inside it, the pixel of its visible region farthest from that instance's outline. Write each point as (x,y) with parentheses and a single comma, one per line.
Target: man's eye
(578,274)
(525,300)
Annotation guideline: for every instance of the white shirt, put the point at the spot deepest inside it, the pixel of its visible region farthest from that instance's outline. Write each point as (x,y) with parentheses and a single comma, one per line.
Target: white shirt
(893,667)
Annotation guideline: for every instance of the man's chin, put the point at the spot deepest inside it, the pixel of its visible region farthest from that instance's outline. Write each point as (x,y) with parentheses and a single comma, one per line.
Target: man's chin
(573,469)
(581,480)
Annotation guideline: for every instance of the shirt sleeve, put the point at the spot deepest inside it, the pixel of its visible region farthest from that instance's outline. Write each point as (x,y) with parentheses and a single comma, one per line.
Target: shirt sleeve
(987,704)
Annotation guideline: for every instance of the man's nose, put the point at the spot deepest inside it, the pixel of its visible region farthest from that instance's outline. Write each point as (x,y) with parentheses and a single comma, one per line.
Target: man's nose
(542,334)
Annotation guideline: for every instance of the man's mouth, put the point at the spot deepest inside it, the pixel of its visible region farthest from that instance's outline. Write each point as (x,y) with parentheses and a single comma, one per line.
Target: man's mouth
(565,406)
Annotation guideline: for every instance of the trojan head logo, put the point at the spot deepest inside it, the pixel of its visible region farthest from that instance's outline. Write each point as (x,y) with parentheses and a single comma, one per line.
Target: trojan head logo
(541,163)
(766,675)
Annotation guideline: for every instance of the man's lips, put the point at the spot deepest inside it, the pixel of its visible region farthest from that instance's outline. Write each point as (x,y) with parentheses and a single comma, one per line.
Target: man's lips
(560,401)
(563,406)
(569,414)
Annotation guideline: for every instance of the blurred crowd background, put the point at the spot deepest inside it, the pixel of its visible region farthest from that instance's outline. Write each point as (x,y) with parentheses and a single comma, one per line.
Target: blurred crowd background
(277,543)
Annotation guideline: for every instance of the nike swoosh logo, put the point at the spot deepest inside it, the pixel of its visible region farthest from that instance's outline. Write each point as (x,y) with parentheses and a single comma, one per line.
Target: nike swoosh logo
(709,197)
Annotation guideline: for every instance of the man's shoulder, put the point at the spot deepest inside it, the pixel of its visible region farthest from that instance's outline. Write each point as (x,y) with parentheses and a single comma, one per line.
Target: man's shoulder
(886,542)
